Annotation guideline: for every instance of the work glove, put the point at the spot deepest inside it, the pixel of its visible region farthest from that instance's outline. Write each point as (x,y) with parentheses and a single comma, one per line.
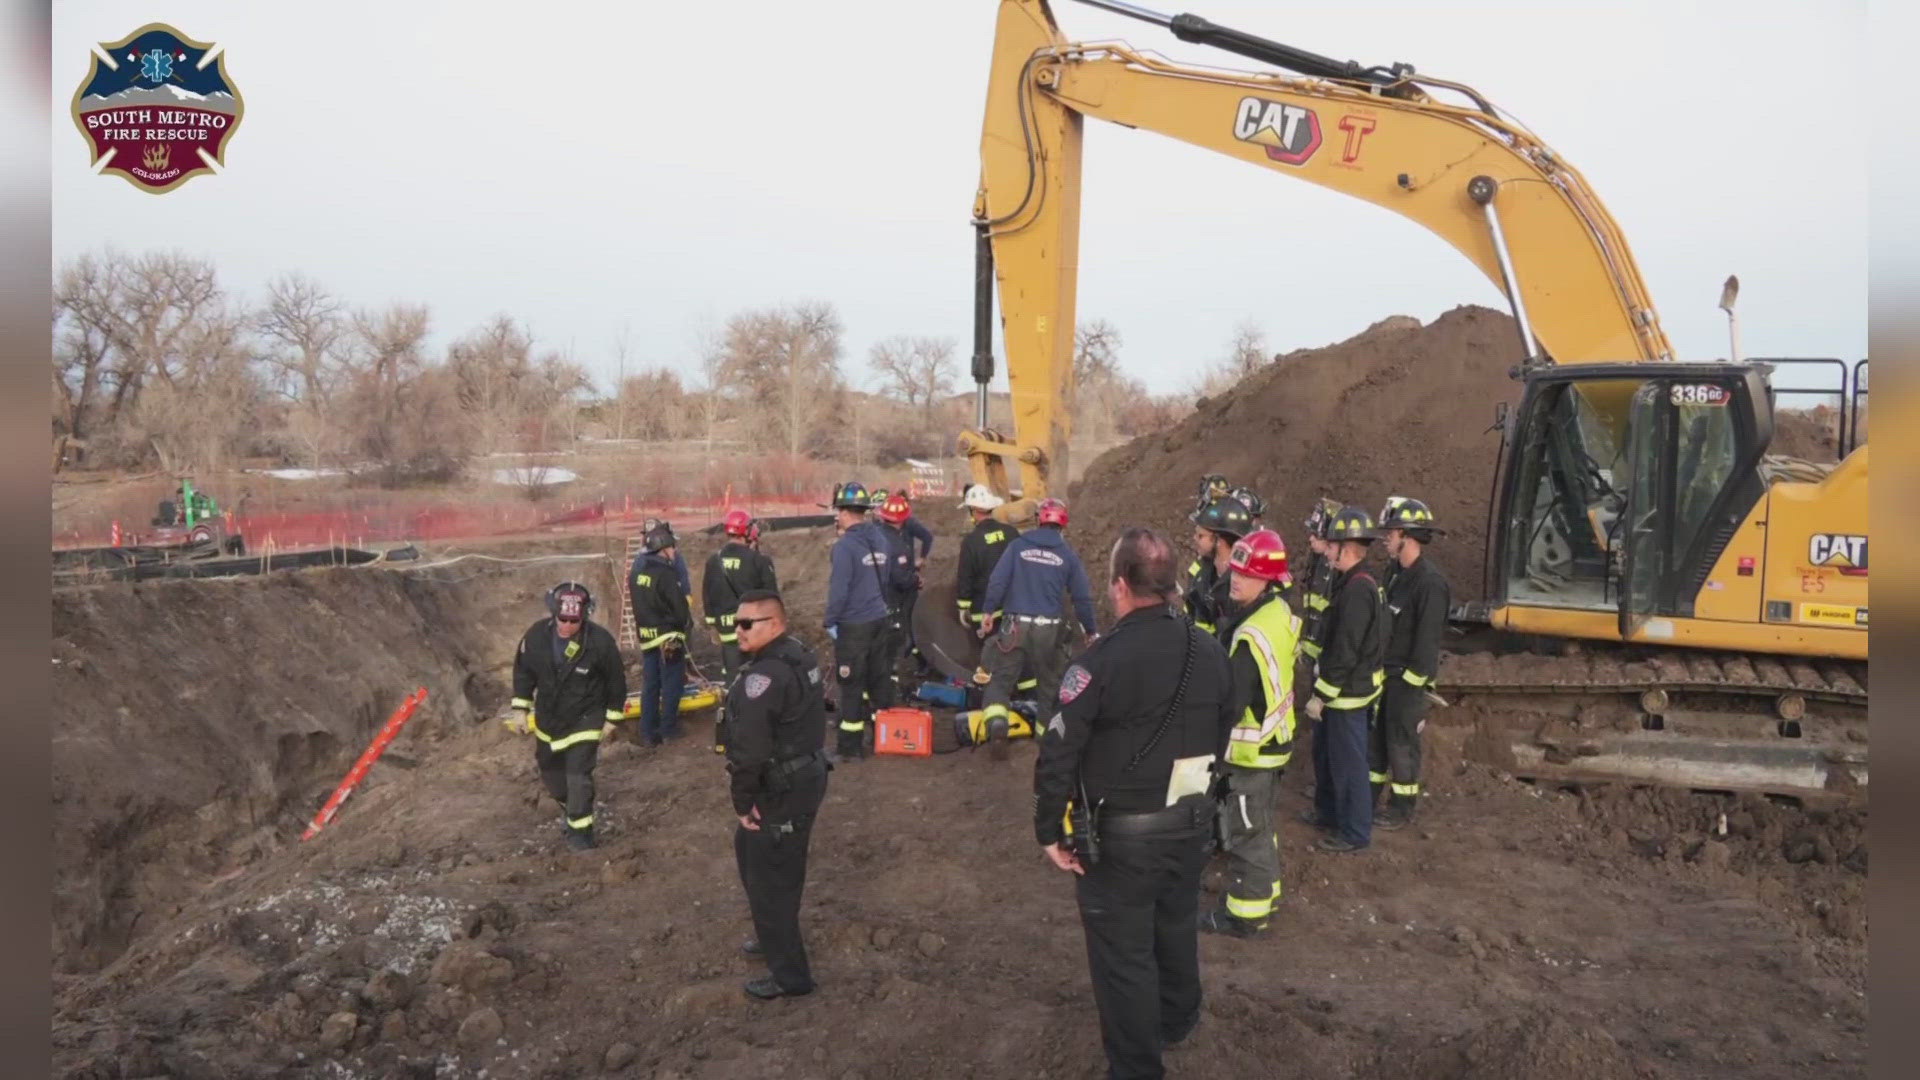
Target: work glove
(963,618)
(1315,706)
(606,731)
(516,722)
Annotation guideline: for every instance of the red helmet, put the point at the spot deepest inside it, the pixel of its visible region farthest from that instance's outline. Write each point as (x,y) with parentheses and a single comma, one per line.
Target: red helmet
(1260,554)
(1053,512)
(736,522)
(895,509)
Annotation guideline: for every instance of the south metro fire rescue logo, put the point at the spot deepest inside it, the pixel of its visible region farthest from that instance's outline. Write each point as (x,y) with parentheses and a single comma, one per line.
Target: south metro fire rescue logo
(157,107)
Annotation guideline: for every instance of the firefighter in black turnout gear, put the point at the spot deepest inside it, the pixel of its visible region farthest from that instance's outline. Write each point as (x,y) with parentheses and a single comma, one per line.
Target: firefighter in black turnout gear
(1316,590)
(1143,716)
(1217,526)
(1417,601)
(569,688)
(777,772)
(735,570)
(980,552)
(661,622)
(1346,686)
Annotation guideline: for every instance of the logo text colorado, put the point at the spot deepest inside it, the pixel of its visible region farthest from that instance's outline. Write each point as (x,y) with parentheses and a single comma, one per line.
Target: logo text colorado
(157,107)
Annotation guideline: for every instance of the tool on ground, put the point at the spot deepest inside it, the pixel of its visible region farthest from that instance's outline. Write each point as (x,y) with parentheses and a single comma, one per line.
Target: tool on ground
(378,746)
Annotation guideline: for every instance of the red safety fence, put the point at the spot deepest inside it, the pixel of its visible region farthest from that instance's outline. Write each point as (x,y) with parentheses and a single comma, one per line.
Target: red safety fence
(378,746)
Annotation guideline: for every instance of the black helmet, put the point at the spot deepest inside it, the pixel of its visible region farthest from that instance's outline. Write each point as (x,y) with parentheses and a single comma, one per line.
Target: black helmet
(577,598)
(1226,516)
(1317,519)
(851,495)
(1255,505)
(1212,486)
(658,539)
(1410,514)
(1348,523)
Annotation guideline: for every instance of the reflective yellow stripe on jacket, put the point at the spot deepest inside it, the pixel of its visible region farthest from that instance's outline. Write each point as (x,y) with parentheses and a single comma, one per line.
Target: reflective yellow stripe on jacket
(1328,690)
(1273,635)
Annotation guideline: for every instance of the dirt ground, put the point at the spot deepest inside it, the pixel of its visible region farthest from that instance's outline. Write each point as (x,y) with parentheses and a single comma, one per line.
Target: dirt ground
(439,928)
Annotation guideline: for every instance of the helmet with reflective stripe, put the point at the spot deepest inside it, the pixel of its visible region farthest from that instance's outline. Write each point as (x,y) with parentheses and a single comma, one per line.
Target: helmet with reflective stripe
(737,522)
(658,539)
(1261,554)
(1255,505)
(1225,515)
(1317,520)
(571,599)
(1349,523)
(1212,486)
(1053,512)
(895,509)
(1404,513)
(851,495)
(979,497)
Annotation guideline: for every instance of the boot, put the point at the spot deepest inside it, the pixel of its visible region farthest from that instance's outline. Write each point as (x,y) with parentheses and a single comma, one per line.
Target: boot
(1397,815)
(997,738)
(851,747)
(1218,921)
(580,839)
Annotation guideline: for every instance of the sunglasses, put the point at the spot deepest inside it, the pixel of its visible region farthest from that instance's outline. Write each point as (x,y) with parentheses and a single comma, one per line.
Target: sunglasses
(565,619)
(748,623)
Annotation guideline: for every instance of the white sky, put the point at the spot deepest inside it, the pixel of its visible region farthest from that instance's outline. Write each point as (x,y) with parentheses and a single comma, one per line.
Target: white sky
(580,166)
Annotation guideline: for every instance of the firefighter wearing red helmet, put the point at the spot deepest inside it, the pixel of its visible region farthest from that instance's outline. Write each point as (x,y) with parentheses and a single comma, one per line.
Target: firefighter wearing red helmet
(1025,614)
(908,544)
(733,571)
(1262,652)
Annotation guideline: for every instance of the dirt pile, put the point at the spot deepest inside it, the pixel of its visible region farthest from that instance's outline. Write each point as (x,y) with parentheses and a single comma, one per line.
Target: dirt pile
(1540,1043)
(1400,409)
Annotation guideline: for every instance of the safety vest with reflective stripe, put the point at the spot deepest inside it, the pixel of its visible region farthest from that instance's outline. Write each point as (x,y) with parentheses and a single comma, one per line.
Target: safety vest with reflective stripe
(1272,633)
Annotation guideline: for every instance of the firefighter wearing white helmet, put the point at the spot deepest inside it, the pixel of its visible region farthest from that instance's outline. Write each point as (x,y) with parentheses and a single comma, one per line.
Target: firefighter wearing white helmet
(979,553)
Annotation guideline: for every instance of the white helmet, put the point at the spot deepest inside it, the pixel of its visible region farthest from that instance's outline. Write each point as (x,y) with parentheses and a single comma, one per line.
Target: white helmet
(979,498)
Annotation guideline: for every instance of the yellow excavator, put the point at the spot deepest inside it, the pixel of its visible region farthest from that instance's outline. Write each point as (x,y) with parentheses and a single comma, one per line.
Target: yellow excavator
(1636,502)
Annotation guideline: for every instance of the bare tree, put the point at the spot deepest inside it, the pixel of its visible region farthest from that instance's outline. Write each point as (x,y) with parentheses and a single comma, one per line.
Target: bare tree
(1248,351)
(620,346)
(917,370)
(788,361)
(405,415)
(79,373)
(1099,387)
(1096,351)
(658,403)
(208,403)
(493,370)
(305,327)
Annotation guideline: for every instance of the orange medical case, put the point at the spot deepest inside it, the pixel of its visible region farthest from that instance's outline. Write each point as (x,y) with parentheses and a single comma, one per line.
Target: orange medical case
(903,731)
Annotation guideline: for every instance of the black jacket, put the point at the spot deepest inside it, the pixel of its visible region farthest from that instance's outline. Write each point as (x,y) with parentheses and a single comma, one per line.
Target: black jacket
(733,571)
(908,544)
(1315,594)
(1208,599)
(659,601)
(1112,699)
(1417,600)
(980,552)
(776,714)
(1353,639)
(574,691)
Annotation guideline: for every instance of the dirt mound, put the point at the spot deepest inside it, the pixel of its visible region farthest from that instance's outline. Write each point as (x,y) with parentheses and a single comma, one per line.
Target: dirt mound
(1400,409)
(1540,1043)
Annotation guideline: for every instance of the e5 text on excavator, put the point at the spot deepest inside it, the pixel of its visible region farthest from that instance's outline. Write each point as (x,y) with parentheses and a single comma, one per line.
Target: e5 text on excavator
(1636,502)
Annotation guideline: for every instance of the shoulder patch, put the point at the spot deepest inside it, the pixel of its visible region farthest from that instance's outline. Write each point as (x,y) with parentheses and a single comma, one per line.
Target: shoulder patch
(813,676)
(1074,683)
(757,685)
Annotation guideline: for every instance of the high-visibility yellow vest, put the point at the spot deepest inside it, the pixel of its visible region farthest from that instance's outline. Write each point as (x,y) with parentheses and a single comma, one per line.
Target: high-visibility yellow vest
(1273,634)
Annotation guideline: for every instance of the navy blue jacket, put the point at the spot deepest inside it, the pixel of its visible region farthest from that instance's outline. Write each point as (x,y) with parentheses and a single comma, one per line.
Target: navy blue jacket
(903,573)
(859,564)
(1035,576)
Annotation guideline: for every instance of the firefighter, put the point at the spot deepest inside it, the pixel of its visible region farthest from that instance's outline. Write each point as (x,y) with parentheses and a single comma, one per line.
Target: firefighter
(661,622)
(778,777)
(1141,717)
(569,689)
(679,562)
(1417,601)
(1262,652)
(1024,615)
(731,572)
(979,553)
(856,617)
(1216,527)
(1316,588)
(1346,685)
(1256,506)
(908,543)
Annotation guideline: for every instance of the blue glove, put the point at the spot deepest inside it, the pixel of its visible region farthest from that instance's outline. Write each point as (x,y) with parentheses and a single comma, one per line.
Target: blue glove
(833,632)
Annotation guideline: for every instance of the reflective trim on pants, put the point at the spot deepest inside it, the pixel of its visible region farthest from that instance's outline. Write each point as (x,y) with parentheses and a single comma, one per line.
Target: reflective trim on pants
(580,822)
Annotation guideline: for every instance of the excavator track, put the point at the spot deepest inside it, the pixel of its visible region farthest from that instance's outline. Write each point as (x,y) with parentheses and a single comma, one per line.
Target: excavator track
(1715,721)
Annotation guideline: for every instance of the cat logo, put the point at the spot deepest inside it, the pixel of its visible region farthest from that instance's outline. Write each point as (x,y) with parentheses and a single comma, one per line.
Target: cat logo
(1844,552)
(1289,133)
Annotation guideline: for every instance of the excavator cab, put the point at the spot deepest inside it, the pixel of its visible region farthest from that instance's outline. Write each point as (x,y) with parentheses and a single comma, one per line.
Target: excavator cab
(1625,482)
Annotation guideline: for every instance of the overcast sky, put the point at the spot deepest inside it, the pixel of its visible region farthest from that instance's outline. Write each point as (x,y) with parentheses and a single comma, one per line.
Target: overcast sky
(586,166)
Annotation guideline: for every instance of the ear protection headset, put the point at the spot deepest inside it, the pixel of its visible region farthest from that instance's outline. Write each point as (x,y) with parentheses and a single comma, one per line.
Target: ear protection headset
(553,598)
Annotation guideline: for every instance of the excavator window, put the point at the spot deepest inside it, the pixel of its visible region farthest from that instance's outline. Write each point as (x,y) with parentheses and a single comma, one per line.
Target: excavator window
(1570,495)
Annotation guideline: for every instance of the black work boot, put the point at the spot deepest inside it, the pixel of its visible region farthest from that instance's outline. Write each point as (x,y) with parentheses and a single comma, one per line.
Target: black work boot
(997,747)
(1218,921)
(1397,815)
(580,839)
(851,747)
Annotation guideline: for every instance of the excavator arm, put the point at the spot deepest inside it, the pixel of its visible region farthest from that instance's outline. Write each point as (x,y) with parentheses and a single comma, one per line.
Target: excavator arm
(1476,179)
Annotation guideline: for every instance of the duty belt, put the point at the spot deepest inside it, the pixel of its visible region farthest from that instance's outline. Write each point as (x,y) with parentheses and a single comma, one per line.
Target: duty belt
(1192,814)
(783,772)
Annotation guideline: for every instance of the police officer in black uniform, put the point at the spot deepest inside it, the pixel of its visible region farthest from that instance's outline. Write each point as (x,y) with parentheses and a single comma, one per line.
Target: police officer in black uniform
(776,722)
(1417,600)
(1155,692)
(568,675)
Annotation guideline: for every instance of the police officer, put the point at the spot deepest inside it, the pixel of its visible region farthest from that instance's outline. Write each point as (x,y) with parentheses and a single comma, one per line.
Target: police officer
(1216,526)
(778,776)
(1347,680)
(908,543)
(1265,639)
(980,552)
(856,617)
(1417,600)
(569,688)
(736,569)
(1024,614)
(1142,715)
(661,621)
